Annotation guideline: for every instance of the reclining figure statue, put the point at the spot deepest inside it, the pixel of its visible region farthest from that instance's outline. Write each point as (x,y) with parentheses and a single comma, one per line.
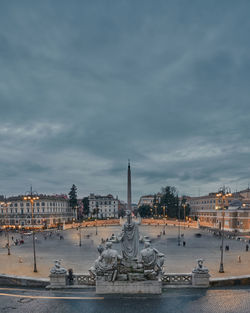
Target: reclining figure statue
(152,261)
(107,262)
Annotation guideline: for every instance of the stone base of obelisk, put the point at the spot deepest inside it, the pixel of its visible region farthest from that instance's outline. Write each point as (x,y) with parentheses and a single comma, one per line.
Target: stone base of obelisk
(128,287)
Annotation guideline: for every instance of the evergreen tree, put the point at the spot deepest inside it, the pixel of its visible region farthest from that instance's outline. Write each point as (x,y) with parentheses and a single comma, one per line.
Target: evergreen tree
(73,197)
(145,210)
(96,211)
(170,200)
(85,202)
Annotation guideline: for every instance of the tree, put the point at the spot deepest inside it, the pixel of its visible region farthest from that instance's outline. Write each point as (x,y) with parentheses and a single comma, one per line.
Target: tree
(145,210)
(73,197)
(96,210)
(121,212)
(85,202)
(170,200)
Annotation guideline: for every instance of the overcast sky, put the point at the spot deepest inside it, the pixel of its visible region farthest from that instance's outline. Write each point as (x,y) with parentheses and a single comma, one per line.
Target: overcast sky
(85,85)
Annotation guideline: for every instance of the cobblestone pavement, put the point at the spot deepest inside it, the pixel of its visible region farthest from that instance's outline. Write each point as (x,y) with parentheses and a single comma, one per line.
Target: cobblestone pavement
(230,300)
(178,258)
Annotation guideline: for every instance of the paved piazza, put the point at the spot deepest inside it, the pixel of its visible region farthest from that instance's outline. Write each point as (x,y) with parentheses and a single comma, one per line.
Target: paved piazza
(178,258)
(222,300)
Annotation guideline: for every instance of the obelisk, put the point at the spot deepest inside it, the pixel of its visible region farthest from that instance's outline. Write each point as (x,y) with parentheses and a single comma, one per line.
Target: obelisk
(129,187)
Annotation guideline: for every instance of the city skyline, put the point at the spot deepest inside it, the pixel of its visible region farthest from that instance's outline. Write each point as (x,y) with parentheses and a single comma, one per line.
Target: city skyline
(85,86)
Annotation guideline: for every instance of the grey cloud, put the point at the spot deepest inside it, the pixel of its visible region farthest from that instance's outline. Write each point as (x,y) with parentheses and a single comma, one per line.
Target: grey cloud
(86,85)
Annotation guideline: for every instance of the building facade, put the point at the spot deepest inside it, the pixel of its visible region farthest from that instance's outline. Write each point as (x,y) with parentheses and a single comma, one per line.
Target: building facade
(47,211)
(149,199)
(236,211)
(103,206)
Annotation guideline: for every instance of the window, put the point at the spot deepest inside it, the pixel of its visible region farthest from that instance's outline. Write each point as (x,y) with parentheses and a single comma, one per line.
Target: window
(43,203)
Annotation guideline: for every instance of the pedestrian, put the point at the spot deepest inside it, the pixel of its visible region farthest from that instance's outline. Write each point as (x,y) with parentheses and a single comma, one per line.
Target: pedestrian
(247,247)
(239,258)
(184,243)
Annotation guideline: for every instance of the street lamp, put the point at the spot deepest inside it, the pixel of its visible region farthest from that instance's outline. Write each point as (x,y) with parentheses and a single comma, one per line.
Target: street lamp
(80,236)
(5,205)
(223,195)
(184,206)
(179,226)
(96,226)
(164,210)
(31,198)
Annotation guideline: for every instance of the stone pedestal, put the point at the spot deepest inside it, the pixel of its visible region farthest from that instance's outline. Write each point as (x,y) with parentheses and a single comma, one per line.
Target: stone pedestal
(200,280)
(127,287)
(57,280)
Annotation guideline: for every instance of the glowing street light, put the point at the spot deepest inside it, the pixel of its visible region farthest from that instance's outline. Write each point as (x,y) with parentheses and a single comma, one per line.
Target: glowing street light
(31,198)
(80,236)
(96,226)
(5,205)
(223,196)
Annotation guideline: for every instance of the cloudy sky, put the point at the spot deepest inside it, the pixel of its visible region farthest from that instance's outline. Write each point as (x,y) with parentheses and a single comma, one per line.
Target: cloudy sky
(85,85)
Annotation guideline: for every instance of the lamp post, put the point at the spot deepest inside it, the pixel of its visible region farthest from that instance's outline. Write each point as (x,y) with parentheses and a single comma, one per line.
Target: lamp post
(80,236)
(96,226)
(164,210)
(31,198)
(179,226)
(223,195)
(5,205)
(155,207)
(184,206)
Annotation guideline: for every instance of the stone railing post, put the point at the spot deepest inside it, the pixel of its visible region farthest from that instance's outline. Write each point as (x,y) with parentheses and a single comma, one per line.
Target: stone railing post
(57,280)
(200,275)
(58,275)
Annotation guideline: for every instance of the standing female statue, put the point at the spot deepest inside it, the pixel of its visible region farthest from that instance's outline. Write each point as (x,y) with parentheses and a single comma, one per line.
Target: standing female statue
(129,238)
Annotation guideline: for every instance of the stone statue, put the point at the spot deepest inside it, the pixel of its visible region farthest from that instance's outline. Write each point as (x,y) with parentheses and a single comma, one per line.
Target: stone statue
(200,269)
(107,262)
(129,239)
(152,260)
(57,269)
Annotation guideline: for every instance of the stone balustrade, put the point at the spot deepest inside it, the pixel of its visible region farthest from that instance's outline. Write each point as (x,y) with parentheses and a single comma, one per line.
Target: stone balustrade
(83,279)
(168,279)
(177,279)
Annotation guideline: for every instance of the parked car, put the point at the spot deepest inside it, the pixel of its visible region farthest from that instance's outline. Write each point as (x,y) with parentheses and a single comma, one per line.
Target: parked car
(198,235)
